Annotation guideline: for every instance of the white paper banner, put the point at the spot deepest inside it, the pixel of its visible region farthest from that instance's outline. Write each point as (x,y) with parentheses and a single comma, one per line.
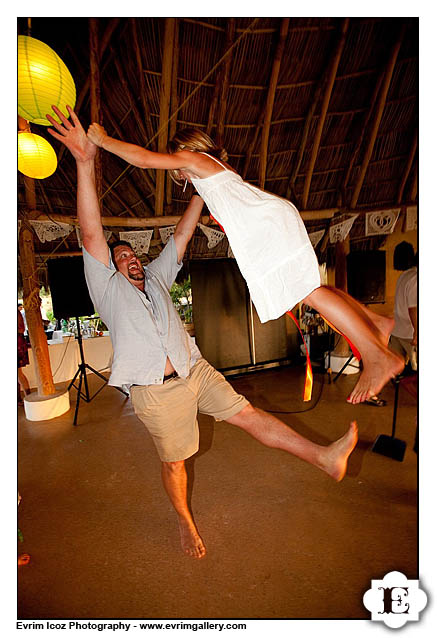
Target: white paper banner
(411,223)
(230,253)
(382,222)
(339,232)
(138,239)
(107,234)
(214,236)
(316,237)
(166,233)
(48,231)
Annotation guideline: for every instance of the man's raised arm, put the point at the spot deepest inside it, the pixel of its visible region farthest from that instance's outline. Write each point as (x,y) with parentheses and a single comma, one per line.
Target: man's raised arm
(187,225)
(88,210)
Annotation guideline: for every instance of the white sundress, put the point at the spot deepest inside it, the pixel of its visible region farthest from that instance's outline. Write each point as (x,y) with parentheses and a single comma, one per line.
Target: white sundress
(268,238)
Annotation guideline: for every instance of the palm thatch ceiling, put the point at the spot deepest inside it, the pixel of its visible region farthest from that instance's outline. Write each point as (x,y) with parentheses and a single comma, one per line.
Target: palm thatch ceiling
(322,111)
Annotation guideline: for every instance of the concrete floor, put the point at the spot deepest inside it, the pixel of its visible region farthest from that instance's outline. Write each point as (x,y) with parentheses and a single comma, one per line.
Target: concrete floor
(283,539)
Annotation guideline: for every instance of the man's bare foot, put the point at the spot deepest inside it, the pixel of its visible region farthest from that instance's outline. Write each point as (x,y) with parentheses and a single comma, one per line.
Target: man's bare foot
(375,375)
(192,544)
(335,456)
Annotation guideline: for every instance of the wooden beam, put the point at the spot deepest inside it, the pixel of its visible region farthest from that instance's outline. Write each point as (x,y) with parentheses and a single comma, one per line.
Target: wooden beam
(230,34)
(253,143)
(324,108)
(359,142)
(164,108)
(303,141)
(174,103)
(408,166)
(380,109)
(143,89)
(95,97)
(413,189)
(144,175)
(112,25)
(129,222)
(270,100)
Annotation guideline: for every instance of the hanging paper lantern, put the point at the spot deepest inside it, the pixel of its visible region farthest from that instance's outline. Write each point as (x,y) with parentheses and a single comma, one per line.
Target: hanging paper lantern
(36,157)
(43,80)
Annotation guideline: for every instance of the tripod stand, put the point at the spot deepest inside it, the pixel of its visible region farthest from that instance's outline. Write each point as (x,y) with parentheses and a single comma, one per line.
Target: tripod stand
(81,373)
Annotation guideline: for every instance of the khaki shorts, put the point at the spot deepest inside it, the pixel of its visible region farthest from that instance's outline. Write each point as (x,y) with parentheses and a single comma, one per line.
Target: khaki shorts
(169,411)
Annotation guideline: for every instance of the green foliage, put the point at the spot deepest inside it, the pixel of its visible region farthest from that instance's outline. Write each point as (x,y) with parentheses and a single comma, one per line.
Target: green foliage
(179,292)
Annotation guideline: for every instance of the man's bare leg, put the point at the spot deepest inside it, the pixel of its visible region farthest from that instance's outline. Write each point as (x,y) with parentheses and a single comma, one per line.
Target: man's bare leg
(380,364)
(271,432)
(174,478)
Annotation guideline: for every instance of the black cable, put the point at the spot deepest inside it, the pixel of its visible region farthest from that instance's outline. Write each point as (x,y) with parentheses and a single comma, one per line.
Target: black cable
(299,411)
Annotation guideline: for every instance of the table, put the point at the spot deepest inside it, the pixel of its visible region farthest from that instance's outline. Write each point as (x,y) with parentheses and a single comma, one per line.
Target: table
(65,358)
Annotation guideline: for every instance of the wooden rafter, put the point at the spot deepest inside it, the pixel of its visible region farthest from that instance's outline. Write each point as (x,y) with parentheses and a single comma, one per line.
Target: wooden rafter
(144,176)
(252,145)
(164,107)
(270,101)
(408,166)
(95,97)
(112,25)
(303,141)
(324,108)
(359,142)
(143,90)
(378,117)
(174,103)
(230,34)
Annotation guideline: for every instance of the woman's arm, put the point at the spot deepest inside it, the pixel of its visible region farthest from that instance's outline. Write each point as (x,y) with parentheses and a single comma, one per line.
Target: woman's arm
(137,155)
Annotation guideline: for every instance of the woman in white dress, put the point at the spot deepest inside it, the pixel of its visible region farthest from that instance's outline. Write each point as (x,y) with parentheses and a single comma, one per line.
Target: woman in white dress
(271,246)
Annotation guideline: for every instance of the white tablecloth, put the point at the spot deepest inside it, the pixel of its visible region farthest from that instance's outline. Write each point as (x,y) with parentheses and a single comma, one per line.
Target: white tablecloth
(65,358)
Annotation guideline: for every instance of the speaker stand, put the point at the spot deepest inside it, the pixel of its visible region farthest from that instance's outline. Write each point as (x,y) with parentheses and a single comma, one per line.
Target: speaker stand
(389,445)
(81,373)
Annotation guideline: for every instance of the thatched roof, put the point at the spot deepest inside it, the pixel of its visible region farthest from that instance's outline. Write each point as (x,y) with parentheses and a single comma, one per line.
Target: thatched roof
(320,110)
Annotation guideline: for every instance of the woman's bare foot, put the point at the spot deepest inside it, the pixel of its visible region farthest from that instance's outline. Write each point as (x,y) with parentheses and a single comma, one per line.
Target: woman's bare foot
(192,544)
(335,456)
(376,373)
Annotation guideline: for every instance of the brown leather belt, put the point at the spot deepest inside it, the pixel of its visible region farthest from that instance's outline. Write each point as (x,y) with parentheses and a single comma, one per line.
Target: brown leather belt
(172,375)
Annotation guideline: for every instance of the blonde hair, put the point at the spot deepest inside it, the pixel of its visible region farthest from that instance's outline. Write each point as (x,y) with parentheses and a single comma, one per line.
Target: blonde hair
(191,139)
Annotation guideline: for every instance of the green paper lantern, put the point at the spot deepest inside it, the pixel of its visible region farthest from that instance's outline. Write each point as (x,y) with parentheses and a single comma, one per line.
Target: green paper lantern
(43,80)
(36,157)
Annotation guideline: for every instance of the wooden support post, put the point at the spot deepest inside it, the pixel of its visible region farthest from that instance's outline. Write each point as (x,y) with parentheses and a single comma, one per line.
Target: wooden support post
(341,252)
(324,109)
(31,299)
(380,109)
(270,101)
(164,108)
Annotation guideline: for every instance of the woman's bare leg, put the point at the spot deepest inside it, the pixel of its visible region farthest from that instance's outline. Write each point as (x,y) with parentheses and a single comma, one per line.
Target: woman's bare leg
(380,364)
(383,324)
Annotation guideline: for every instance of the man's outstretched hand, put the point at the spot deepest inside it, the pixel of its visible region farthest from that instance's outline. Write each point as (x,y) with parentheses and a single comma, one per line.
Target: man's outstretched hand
(72,135)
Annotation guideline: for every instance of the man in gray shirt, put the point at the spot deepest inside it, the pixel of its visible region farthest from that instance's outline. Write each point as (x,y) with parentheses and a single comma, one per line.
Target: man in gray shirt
(169,380)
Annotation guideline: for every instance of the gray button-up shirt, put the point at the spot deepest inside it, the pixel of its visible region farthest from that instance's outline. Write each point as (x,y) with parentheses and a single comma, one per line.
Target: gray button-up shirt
(143,333)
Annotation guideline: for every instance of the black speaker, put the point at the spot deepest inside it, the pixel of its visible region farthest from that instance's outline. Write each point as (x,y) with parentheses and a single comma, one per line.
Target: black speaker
(68,288)
(366,275)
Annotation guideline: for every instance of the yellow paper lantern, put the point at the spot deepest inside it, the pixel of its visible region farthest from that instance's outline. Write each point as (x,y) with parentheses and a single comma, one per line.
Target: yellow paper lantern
(36,157)
(43,80)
